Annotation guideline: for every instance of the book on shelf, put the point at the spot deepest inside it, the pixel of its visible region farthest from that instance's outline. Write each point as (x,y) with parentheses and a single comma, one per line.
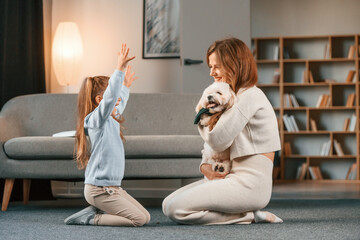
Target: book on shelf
(293,100)
(318,173)
(350,77)
(313,125)
(327,51)
(315,173)
(346,124)
(350,100)
(324,100)
(312,173)
(327,101)
(301,171)
(276,53)
(287,149)
(318,102)
(305,76)
(276,76)
(287,100)
(311,77)
(287,123)
(351,52)
(338,149)
(325,149)
(290,123)
(352,123)
(351,174)
(290,100)
(293,122)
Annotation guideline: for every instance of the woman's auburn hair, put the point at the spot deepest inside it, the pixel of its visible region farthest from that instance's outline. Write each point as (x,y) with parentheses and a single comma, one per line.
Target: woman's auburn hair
(90,88)
(237,60)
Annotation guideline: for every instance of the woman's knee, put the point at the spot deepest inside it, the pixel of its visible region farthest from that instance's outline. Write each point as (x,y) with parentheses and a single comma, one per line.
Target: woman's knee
(169,205)
(164,205)
(173,210)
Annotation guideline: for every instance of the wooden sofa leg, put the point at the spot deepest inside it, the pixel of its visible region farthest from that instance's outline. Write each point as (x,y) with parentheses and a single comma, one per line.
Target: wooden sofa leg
(26,190)
(9,183)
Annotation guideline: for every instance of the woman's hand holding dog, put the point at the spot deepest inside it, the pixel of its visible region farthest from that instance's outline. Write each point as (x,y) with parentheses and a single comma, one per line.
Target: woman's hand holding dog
(123,58)
(209,173)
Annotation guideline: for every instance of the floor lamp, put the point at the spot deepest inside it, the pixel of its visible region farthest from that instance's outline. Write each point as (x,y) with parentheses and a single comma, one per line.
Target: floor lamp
(67,54)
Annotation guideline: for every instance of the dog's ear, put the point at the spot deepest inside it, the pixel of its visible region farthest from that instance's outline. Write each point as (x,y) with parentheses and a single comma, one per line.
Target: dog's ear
(200,104)
(198,107)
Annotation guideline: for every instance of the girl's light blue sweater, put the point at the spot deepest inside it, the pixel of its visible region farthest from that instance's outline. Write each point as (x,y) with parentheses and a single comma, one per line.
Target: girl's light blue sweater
(107,160)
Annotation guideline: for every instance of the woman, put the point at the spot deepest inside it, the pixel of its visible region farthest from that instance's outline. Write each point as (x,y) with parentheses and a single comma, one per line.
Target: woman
(250,129)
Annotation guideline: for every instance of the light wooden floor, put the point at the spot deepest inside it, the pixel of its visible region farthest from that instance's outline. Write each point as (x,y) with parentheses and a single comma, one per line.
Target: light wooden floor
(316,190)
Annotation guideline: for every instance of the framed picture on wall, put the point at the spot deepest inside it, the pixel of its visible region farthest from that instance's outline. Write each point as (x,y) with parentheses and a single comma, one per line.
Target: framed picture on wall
(161,36)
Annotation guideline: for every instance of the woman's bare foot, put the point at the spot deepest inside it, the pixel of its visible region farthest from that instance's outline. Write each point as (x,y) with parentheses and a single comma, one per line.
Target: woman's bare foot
(266,217)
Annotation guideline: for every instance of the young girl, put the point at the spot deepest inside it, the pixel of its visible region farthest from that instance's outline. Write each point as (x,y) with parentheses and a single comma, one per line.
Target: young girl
(100,102)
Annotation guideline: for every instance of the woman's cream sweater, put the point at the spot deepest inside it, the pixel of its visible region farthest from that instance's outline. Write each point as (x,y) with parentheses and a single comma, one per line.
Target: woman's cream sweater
(249,127)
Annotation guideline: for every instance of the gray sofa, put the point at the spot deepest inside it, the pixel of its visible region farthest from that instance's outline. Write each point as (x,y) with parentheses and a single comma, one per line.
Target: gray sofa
(161,140)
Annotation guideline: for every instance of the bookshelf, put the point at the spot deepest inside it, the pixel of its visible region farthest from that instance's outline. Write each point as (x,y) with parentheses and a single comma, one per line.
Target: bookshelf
(313,82)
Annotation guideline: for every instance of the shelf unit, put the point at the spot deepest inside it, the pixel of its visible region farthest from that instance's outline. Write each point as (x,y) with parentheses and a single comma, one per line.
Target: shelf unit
(308,67)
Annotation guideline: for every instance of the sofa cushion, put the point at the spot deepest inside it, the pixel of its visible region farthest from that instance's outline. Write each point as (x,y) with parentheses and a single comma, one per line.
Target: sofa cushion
(40,148)
(144,146)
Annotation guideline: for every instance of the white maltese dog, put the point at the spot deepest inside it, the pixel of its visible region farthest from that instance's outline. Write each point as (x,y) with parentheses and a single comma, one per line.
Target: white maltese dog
(216,99)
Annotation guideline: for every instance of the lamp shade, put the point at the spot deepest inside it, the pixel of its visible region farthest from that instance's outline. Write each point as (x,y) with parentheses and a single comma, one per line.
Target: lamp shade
(67,53)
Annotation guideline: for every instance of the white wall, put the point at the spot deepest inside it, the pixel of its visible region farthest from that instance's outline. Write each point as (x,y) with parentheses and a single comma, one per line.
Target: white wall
(304,17)
(104,25)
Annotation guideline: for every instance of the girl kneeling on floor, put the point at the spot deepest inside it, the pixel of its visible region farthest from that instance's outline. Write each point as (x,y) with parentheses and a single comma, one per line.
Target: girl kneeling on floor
(101,102)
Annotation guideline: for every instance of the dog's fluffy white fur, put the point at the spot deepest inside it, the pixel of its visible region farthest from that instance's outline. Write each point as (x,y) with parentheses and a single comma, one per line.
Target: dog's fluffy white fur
(218,97)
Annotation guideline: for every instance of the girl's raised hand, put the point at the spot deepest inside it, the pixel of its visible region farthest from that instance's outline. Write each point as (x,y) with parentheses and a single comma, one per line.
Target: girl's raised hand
(123,58)
(129,77)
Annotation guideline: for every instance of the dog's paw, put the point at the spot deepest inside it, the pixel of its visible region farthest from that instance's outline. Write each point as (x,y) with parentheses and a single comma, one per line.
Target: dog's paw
(221,167)
(204,121)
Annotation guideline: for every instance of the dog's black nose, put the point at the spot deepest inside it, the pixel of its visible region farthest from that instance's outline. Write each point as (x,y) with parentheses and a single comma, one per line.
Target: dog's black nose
(221,169)
(209,97)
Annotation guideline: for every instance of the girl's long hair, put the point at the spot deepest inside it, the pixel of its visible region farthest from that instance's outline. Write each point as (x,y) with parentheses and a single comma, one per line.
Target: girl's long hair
(237,60)
(90,88)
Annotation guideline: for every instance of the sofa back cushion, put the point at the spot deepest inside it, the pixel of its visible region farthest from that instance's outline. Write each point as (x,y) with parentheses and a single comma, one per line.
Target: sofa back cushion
(145,114)
(160,114)
(42,114)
